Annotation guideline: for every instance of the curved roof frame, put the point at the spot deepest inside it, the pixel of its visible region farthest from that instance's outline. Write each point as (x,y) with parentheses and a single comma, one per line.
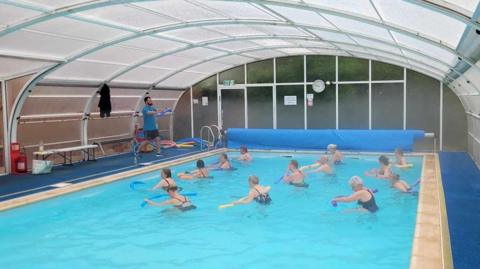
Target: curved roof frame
(310,7)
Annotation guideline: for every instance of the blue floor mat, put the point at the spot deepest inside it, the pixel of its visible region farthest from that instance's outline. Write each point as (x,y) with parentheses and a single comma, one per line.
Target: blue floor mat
(12,186)
(461,183)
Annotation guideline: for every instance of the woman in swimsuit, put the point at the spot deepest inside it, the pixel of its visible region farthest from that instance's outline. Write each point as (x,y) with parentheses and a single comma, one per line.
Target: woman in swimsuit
(384,172)
(337,156)
(200,173)
(166,181)
(257,193)
(399,184)
(363,196)
(223,163)
(294,176)
(322,165)
(178,201)
(244,155)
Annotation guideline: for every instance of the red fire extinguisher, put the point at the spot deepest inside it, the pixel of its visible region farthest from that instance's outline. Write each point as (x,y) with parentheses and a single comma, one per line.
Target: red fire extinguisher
(21,164)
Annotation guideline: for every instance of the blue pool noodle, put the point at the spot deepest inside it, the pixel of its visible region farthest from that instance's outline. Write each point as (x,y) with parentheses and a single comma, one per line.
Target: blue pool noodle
(164,195)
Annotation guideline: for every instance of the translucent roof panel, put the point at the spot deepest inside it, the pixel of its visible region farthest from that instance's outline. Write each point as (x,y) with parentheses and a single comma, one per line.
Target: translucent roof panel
(308,43)
(210,67)
(272,42)
(231,9)
(142,75)
(361,28)
(358,7)
(153,43)
(377,45)
(426,48)
(53,4)
(10,15)
(281,30)
(235,30)
(181,10)
(127,16)
(193,34)
(235,59)
(195,52)
(294,51)
(33,43)
(264,54)
(302,16)
(421,20)
(172,62)
(78,29)
(118,55)
(182,80)
(469,5)
(11,67)
(328,52)
(333,36)
(90,71)
(235,45)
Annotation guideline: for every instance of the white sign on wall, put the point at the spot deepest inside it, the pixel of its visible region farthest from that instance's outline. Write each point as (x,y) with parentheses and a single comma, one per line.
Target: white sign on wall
(195,101)
(290,100)
(310,99)
(204,100)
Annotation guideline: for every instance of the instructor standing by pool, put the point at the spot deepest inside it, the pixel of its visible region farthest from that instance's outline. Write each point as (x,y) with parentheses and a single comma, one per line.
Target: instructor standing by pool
(150,128)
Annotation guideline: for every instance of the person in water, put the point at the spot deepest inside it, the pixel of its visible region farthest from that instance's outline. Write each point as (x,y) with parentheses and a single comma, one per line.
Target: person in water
(166,181)
(320,165)
(400,161)
(201,172)
(337,156)
(178,201)
(257,193)
(244,155)
(399,184)
(223,163)
(294,176)
(384,172)
(363,196)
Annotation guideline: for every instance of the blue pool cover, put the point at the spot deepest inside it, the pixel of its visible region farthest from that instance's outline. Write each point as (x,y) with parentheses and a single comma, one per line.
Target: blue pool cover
(294,139)
(461,184)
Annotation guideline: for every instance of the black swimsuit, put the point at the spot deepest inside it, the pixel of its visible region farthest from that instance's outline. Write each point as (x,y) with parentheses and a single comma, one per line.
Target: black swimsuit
(300,185)
(369,205)
(263,198)
(185,205)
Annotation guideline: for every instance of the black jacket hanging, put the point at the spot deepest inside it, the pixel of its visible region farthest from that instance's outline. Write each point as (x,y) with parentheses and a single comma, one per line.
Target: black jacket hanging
(104,104)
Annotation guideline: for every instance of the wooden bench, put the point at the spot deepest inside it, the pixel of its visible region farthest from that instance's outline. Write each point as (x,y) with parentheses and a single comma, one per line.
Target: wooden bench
(66,153)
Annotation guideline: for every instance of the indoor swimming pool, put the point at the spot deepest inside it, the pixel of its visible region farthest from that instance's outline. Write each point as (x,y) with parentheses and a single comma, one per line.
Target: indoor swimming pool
(106,227)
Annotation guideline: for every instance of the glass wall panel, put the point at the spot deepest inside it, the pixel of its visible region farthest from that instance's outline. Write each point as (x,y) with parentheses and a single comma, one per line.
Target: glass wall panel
(353,106)
(454,122)
(260,72)
(290,69)
(321,115)
(387,106)
(384,71)
(423,106)
(233,108)
(260,107)
(236,73)
(320,67)
(352,69)
(182,117)
(290,116)
(205,113)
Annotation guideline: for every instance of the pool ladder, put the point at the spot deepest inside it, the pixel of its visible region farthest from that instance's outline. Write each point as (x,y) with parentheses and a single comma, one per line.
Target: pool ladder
(208,140)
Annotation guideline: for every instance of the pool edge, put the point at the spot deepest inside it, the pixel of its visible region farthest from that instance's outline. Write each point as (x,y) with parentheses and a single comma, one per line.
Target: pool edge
(37,197)
(431,243)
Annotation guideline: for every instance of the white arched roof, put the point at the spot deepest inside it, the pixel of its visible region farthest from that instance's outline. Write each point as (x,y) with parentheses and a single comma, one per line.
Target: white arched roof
(176,43)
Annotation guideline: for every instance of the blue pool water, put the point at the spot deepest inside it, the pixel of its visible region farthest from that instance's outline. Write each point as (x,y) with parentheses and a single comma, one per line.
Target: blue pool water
(105,227)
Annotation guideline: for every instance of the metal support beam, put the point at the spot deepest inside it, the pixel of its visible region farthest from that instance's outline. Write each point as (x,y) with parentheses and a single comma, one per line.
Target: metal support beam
(86,116)
(6,138)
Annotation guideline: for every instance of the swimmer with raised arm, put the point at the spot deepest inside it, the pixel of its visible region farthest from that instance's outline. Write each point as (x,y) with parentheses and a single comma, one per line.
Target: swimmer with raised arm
(200,173)
(223,163)
(244,155)
(384,172)
(363,196)
(178,201)
(337,156)
(400,161)
(256,193)
(166,181)
(294,176)
(320,165)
